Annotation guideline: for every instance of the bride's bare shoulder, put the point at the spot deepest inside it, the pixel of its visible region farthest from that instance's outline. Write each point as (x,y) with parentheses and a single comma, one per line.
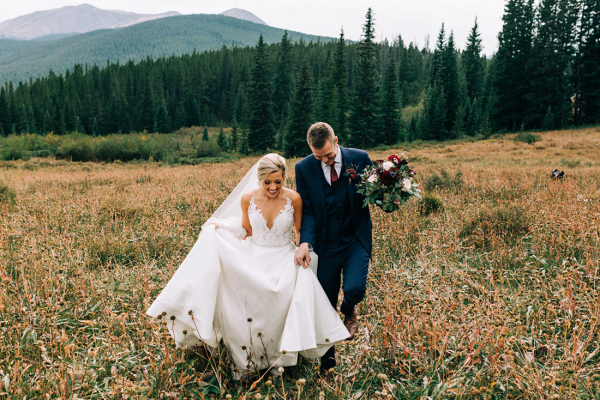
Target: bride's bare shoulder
(248,195)
(293,196)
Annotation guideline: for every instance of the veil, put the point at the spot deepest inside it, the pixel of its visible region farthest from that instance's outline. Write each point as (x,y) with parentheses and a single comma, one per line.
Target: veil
(229,213)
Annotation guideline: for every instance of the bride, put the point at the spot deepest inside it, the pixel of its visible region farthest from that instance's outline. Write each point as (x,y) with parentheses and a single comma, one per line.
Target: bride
(239,282)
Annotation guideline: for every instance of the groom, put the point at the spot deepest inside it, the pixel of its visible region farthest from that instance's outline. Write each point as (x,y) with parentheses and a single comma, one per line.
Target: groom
(334,223)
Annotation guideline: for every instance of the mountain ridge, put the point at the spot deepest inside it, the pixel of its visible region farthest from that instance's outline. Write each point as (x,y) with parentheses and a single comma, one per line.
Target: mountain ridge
(243,14)
(176,35)
(82,18)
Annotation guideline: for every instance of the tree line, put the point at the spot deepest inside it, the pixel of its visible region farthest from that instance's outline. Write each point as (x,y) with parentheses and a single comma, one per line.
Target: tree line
(545,75)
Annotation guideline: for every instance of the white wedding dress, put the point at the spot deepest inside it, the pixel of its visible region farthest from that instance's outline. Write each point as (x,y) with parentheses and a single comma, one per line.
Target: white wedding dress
(250,294)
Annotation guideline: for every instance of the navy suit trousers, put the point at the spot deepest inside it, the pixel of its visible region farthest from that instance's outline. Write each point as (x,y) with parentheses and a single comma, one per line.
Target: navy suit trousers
(351,260)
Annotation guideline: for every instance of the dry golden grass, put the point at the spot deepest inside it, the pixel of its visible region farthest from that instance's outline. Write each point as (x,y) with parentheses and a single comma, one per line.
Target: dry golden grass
(493,296)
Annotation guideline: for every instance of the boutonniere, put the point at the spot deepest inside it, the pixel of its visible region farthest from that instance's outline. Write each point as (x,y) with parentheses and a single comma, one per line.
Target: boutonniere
(350,172)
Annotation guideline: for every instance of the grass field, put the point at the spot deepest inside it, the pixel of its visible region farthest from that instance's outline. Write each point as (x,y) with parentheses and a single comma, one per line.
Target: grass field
(488,289)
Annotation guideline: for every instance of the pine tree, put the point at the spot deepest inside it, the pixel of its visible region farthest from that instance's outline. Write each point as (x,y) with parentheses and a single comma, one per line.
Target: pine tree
(365,124)
(58,121)
(192,112)
(163,121)
(391,110)
(473,64)
(511,83)
(339,81)
(69,116)
(432,124)
(301,114)
(587,66)
(95,127)
(549,121)
(550,63)
(221,139)
(261,129)
(24,120)
(180,116)
(283,87)
(146,109)
(205,134)
(4,115)
(451,83)
(233,138)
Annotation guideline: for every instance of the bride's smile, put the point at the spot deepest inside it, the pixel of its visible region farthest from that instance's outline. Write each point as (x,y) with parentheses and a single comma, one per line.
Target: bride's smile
(272,185)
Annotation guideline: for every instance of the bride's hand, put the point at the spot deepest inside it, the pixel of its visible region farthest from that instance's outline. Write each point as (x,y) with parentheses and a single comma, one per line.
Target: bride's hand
(302,256)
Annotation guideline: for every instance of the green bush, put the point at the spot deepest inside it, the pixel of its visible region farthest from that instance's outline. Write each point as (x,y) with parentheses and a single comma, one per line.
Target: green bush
(76,147)
(507,223)
(444,180)
(527,137)
(13,153)
(7,194)
(430,204)
(207,149)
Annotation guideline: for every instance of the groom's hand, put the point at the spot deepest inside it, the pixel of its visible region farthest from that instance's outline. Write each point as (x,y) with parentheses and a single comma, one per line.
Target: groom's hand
(302,256)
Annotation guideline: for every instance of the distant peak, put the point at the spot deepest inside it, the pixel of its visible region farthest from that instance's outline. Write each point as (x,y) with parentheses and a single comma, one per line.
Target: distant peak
(243,14)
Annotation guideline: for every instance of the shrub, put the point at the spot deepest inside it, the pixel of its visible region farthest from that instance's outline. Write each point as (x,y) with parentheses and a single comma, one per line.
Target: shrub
(527,137)
(430,204)
(505,223)
(76,147)
(13,153)
(207,149)
(7,194)
(444,180)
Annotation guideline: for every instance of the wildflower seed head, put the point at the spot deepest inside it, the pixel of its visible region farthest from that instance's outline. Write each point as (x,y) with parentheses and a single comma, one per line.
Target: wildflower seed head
(172,318)
(192,313)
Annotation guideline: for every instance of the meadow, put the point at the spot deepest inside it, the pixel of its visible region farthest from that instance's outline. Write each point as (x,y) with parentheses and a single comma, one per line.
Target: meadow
(488,289)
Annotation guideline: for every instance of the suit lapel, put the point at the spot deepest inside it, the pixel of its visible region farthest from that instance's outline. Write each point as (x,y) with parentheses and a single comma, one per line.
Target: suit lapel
(346,160)
(318,184)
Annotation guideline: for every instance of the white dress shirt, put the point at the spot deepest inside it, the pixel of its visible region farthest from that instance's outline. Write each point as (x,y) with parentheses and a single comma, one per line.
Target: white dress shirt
(338,166)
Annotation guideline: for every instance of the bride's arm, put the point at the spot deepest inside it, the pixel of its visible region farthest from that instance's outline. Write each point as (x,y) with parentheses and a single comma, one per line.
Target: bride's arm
(297,204)
(245,220)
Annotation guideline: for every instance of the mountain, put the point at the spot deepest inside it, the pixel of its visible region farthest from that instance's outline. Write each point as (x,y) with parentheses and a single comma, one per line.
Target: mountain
(161,37)
(71,19)
(243,14)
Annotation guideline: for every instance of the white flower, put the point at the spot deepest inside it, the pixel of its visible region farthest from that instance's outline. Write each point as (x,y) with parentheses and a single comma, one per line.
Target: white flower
(406,185)
(372,178)
(387,165)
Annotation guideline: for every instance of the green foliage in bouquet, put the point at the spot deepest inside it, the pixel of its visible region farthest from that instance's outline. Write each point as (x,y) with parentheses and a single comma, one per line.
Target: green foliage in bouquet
(387,183)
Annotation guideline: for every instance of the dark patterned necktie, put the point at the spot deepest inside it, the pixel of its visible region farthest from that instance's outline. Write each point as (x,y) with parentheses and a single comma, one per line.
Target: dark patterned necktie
(334,175)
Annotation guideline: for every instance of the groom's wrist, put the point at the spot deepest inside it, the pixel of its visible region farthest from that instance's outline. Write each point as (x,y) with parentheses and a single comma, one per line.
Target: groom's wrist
(310,247)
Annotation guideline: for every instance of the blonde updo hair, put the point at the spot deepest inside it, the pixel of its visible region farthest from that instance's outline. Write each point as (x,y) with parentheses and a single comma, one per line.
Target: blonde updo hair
(268,164)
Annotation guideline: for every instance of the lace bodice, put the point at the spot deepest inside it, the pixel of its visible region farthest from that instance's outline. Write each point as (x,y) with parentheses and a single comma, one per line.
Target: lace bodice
(280,232)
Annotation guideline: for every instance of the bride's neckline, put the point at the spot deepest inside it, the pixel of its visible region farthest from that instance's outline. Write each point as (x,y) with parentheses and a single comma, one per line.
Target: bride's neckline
(288,203)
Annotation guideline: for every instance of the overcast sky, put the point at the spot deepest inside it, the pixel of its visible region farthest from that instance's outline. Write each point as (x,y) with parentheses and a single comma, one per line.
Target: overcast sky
(413,19)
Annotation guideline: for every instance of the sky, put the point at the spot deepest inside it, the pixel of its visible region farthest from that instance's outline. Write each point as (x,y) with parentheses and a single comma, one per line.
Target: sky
(414,20)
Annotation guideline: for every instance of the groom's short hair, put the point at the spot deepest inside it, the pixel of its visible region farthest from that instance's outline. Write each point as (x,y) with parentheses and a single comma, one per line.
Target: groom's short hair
(318,134)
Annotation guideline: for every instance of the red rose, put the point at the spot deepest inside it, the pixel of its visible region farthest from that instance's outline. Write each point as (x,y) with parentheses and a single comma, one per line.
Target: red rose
(386,178)
(412,171)
(394,159)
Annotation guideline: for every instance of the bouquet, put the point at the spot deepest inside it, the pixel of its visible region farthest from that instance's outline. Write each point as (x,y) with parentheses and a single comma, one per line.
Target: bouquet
(386,183)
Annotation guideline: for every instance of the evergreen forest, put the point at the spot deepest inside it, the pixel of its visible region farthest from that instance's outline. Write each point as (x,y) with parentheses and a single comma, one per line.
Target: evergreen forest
(545,75)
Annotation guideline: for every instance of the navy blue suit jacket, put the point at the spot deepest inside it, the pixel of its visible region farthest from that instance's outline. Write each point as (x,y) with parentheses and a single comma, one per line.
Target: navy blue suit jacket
(309,184)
